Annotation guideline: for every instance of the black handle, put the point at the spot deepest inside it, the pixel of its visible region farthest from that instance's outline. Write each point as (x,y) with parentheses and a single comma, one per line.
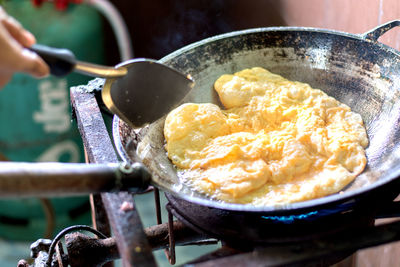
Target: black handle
(61,61)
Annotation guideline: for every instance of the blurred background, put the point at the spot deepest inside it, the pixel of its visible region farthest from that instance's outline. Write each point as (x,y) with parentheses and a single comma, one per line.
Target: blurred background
(35,115)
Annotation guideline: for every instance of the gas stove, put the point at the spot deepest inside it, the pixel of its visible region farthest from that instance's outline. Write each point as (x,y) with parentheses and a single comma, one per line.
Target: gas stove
(319,237)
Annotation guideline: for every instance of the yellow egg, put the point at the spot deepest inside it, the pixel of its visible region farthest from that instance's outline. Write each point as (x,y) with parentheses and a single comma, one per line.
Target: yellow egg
(276,141)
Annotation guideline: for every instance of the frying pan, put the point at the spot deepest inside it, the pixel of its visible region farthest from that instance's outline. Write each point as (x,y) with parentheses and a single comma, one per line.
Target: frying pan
(355,69)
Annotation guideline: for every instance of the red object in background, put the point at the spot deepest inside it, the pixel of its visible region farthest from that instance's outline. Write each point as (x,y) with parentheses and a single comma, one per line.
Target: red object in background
(59,4)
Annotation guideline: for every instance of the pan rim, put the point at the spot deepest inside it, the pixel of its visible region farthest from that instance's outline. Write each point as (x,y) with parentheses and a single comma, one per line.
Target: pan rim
(358,37)
(297,207)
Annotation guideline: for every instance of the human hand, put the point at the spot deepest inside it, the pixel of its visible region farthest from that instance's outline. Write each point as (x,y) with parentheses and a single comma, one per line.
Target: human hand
(14,57)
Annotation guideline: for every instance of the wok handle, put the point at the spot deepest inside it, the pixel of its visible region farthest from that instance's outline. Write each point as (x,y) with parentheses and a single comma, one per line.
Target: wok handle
(374,34)
(20,179)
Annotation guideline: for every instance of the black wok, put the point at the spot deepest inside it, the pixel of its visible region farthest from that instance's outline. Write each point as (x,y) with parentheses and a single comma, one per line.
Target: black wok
(355,69)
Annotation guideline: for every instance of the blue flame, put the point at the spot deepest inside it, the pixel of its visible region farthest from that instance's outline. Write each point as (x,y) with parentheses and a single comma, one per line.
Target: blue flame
(309,216)
(291,218)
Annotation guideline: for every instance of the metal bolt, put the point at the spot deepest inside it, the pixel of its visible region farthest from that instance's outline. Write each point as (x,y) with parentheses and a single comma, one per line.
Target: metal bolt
(126,168)
(22,263)
(40,245)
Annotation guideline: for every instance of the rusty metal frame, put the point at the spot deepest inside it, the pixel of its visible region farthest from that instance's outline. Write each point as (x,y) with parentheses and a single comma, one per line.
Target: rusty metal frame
(125,224)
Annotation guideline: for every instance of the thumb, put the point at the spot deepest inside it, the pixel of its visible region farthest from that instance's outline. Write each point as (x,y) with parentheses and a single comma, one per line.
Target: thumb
(32,64)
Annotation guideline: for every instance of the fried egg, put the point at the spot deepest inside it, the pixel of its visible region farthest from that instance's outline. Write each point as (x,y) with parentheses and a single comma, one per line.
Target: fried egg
(275,142)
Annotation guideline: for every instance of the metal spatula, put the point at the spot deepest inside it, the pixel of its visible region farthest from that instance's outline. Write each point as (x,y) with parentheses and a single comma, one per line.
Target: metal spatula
(139,91)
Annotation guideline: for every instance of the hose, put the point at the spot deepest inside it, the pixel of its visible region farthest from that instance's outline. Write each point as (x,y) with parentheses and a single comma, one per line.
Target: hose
(118,25)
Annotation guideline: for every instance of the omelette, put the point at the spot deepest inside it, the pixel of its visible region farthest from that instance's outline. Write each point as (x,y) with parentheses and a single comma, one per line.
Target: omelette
(275,141)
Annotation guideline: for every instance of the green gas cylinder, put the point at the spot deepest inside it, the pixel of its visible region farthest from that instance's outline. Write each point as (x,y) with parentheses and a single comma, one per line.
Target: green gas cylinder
(35,115)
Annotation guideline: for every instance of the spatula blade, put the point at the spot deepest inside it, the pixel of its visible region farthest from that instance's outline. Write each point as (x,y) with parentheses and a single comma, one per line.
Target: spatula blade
(146,93)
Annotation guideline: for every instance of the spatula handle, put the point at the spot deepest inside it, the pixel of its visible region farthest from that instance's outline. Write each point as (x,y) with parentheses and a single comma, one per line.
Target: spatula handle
(61,61)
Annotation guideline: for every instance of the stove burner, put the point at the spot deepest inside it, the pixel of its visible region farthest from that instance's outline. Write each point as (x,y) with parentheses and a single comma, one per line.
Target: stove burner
(241,227)
(291,218)
(309,216)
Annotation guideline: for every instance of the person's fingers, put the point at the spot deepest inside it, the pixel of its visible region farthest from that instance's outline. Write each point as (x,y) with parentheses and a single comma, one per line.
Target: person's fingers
(33,64)
(22,36)
(4,79)
(14,55)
